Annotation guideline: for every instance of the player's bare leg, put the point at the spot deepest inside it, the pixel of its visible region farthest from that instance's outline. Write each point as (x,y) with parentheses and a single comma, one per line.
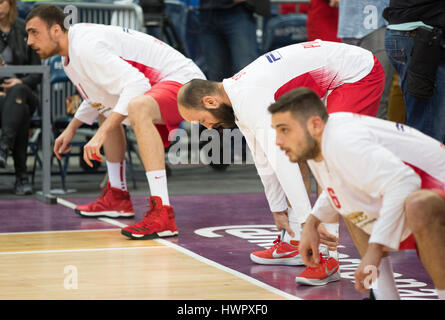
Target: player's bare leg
(114,201)
(159,221)
(385,287)
(115,145)
(358,236)
(144,113)
(425,213)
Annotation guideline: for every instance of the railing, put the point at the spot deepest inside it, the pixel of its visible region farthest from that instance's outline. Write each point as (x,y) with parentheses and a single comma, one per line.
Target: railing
(44,70)
(128,15)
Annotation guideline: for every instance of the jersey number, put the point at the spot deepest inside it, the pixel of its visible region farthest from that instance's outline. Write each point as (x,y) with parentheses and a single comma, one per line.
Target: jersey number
(311,44)
(334,198)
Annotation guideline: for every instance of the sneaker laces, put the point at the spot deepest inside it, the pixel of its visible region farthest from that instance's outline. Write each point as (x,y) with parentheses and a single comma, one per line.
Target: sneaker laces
(276,242)
(103,192)
(323,260)
(152,214)
(101,198)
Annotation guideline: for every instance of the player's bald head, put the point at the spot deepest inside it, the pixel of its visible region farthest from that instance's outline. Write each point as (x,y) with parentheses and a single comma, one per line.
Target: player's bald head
(302,103)
(190,94)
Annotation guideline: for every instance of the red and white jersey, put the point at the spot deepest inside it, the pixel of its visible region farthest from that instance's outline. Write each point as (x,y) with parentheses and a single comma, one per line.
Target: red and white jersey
(370,166)
(110,65)
(319,65)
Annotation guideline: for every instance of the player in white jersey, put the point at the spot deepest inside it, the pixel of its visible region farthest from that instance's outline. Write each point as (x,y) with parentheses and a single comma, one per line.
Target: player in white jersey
(387,180)
(347,78)
(125,77)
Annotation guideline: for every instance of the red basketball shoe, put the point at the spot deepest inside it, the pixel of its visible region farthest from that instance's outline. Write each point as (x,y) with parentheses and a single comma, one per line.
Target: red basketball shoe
(281,253)
(327,271)
(159,222)
(112,203)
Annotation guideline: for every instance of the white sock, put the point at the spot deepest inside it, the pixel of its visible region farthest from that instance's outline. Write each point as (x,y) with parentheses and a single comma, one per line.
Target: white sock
(441,294)
(294,225)
(116,175)
(332,228)
(385,287)
(157,181)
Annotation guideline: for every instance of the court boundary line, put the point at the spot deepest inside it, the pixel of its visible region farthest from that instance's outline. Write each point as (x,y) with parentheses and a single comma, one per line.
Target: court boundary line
(57,231)
(229,270)
(5,253)
(200,258)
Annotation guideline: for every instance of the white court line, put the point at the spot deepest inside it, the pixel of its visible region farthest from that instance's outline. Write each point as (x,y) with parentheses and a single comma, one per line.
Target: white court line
(66,203)
(113,222)
(57,231)
(201,259)
(231,271)
(76,250)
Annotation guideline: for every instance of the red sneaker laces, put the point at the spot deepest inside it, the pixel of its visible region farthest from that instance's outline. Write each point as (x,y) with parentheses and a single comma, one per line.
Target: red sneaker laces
(103,192)
(322,261)
(152,214)
(277,241)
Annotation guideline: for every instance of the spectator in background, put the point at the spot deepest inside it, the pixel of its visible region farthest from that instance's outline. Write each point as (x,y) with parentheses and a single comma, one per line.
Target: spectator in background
(322,18)
(228,38)
(18,101)
(322,21)
(416,48)
(24,7)
(361,24)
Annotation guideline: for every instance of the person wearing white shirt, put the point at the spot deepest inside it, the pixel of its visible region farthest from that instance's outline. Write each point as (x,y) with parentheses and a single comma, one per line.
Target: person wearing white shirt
(347,78)
(124,77)
(387,181)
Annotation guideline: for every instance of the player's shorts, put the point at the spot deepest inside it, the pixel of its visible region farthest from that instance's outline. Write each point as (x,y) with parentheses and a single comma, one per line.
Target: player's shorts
(165,93)
(361,97)
(429,183)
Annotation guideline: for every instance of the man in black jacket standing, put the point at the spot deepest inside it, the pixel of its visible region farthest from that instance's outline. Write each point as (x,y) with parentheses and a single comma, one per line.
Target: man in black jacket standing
(416,48)
(18,100)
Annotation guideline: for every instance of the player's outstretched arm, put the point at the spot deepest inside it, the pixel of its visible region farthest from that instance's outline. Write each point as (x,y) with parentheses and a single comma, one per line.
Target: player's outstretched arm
(366,272)
(282,222)
(91,151)
(327,238)
(309,242)
(62,143)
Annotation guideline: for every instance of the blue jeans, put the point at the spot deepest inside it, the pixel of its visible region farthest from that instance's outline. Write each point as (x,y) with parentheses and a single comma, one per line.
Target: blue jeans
(426,115)
(228,41)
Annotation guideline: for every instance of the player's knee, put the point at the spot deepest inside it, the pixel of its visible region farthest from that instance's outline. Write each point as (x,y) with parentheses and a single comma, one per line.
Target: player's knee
(135,107)
(142,108)
(101,119)
(420,210)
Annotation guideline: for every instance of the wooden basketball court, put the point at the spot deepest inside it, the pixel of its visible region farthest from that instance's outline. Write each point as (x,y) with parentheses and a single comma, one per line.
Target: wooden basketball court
(48,252)
(101,264)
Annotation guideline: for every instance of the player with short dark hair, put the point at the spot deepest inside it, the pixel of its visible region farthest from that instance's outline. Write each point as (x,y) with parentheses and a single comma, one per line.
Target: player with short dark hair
(124,77)
(385,179)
